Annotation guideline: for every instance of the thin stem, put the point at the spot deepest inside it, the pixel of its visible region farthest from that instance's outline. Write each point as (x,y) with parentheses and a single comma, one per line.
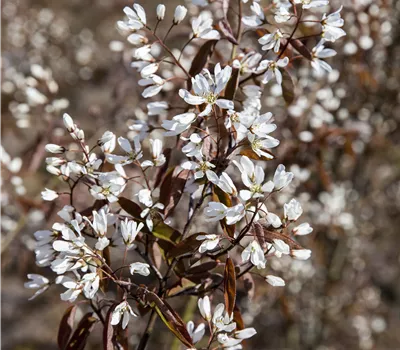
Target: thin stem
(239,30)
(184,46)
(149,329)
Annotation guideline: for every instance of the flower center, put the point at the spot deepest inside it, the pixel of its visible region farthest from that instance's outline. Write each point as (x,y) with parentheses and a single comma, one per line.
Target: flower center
(211,98)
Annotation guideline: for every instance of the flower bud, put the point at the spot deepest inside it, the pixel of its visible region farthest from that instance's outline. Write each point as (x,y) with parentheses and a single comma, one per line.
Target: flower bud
(53,170)
(52,148)
(180,13)
(49,195)
(160,12)
(68,122)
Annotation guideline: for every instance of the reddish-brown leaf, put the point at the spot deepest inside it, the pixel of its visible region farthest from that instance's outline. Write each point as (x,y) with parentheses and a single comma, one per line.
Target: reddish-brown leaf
(66,326)
(232,85)
(108,330)
(201,58)
(205,267)
(82,332)
(237,317)
(171,189)
(188,245)
(301,48)
(248,152)
(226,29)
(229,286)
(287,87)
(130,207)
(271,235)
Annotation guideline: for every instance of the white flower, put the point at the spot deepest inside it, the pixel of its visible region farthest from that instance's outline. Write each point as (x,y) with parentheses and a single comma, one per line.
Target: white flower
(281,177)
(255,254)
(260,145)
(107,142)
(301,254)
(180,14)
(209,242)
(131,154)
(270,41)
(123,311)
(139,268)
(196,334)
(37,282)
(258,17)
(149,70)
(202,27)
(178,124)
(223,322)
(245,333)
(308,4)
(91,283)
(205,308)
(331,24)
(302,229)
(216,211)
(281,247)
(52,148)
(252,178)
(111,185)
(282,15)
(208,89)
(292,210)
(136,17)
(99,226)
(154,85)
(68,123)
(129,231)
(160,12)
(157,108)
(275,281)
(273,220)
(194,147)
(157,155)
(202,168)
(319,52)
(272,69)
(137,39)
(49,195)
(224,182)
(260,125)
(144,196)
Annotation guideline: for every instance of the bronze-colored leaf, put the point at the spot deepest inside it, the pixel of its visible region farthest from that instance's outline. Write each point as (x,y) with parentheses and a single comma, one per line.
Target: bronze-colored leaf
(232,85)
(287,87)
(201,58)
(237,317)
(82,332)
(108,330)
(171,189)
(229,286)
(186,246)
(170,318)
(226,30)
(205,267)
(258,232)
(66,326)
(248,152)
(301,48)
(271,235)
(130,207)
(167,233)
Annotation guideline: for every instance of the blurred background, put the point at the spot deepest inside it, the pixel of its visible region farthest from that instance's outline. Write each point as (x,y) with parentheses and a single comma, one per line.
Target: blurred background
(340,137)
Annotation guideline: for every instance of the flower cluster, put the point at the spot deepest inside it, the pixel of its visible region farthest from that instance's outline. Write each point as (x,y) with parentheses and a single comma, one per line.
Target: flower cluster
(213,154)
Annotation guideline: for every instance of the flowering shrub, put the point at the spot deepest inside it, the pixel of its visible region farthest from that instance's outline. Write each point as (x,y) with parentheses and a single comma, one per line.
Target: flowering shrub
(181,203)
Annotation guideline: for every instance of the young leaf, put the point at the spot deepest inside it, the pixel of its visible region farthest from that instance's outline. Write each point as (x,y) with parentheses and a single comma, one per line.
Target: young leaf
(108,330)
(200,60)
(229,286)
(66,326)
(186,246)
(171,189)
(301,48)
(287,87)
(82,332)
(130,207)
(170,318)
(248,152)
(226,29)
(232,85)
(237,317)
